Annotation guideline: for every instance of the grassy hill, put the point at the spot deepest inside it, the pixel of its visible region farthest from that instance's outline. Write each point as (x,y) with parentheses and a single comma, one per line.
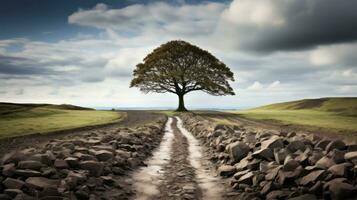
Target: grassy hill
(23,119)
(333,113)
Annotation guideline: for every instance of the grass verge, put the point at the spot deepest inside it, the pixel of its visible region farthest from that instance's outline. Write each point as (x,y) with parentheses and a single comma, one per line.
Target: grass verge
(44,119)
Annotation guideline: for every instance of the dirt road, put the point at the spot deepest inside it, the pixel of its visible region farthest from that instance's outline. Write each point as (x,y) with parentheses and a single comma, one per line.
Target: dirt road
(177,170)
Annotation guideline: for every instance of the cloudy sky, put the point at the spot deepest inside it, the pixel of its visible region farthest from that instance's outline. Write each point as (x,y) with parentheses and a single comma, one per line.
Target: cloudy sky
(83,52)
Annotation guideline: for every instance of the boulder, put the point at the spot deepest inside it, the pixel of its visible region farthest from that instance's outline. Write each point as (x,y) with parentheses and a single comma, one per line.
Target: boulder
(72,162)
(238,150)
(12,183)
(246,179)
(95,168)
(312,177)
(296,145)
(266,154)
(351,155)
(240,174)
(339,169)
(323,143)
(41,183)
(342,191)
(103,155)
(325,163)
(272,173)
(290,164)
(61,164)
(272,143)
(8,169)
(336,144)
(13,157)
(304,197)
(280,155)
(226,170)
(316,155)
(30,164)
(27,172)
(278,194)
(337,156)
(12,192)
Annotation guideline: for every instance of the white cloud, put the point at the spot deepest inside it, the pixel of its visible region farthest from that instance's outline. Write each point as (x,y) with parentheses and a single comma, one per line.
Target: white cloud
(255,86)
(256,12)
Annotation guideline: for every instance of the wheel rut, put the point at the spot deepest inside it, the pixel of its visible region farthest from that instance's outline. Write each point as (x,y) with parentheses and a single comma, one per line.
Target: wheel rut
(181,173)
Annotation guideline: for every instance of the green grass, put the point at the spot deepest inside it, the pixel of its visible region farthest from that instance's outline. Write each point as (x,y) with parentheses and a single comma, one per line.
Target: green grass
(332,113)
(169,113)
(23,119)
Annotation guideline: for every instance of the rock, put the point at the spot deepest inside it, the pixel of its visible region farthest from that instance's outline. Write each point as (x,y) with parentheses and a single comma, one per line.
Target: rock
(304,197)
(312,177)
(13,157)
(8,169)
(266,154)
(325,163)
(342,191)
(296,145)
(272,143)
(12,183)
(61,164)
(41,183)
(103,155)
(27,172)
(30,164)
(240,174)
(290,164)
(12,192)
(267,188)
(72,162)
(122,153)
(5,197)
(277,194)
(238,150)
(273,173)
(336,144)
(226,170)
(339,169)
(351,155)
(280,155)
(246,179)
(323,143)
(95,168)
(316,155)
(337,156)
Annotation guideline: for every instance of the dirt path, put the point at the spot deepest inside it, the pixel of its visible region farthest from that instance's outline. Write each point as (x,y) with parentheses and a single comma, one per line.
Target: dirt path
(181,173)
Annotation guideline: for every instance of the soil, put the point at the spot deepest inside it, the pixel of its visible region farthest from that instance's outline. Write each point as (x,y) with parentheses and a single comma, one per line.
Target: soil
(180,181)
(133,118)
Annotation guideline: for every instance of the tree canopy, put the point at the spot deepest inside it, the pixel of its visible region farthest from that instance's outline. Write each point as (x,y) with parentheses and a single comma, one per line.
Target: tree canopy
(179,67)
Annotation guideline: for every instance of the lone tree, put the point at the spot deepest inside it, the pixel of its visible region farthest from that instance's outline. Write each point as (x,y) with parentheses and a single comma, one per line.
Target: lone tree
(179,67)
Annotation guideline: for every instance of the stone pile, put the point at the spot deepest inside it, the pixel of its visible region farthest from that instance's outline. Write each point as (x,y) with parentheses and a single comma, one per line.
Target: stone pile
(83,167)
(276,165)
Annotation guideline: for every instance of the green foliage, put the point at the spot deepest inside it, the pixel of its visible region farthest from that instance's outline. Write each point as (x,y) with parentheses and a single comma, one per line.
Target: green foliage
(179,67)
(23,119)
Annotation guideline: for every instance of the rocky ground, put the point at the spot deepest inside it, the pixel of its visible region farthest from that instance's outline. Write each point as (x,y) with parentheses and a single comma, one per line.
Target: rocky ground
(270,164)
(186,157)
(89,164)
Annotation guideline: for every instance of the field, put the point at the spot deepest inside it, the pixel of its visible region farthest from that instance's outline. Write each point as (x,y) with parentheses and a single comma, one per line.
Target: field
(23,119)
(332,113)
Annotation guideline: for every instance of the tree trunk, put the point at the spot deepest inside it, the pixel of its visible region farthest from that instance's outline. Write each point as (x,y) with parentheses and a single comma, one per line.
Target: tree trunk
(181,107)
